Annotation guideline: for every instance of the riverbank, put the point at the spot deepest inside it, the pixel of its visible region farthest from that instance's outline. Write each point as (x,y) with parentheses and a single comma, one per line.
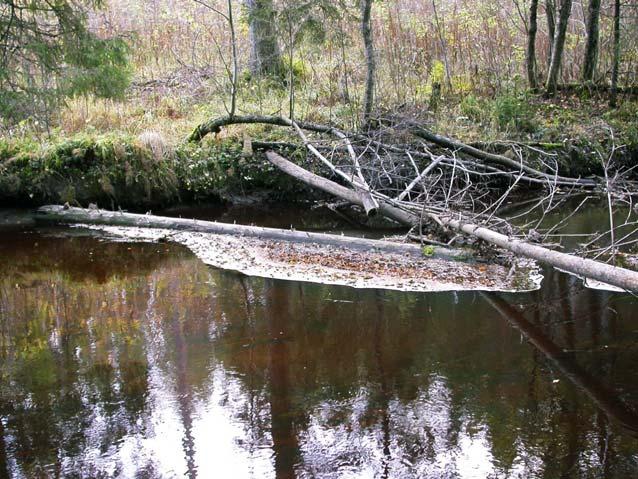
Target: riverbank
(122,168)
(132,172)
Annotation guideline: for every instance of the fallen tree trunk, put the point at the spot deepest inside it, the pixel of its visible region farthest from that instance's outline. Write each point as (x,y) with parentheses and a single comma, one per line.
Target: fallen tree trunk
(587,268)
(620,277)
(215,126)
(369,204)
(70,215)
(354,197)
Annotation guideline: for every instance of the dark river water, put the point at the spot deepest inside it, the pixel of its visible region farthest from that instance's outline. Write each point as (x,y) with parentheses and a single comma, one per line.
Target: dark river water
(137,360)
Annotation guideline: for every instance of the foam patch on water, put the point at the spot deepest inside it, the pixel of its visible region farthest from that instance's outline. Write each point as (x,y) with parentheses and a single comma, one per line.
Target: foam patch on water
(594,284)
(315,263)
(599,285)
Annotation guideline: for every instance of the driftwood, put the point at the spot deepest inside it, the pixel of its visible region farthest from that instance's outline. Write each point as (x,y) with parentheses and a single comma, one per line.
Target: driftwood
(587,268)
(516,168)
(215,125)
(461,194)
(71,215)
(400,216)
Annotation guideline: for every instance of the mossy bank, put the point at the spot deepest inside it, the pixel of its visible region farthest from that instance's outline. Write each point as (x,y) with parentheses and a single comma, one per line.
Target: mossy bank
(133,172)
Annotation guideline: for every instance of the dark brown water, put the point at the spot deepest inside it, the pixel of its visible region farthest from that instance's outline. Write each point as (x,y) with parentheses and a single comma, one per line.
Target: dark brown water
(136,360)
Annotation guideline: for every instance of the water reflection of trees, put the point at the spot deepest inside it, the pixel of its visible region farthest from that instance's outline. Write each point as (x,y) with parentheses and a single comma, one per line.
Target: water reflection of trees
(166,372)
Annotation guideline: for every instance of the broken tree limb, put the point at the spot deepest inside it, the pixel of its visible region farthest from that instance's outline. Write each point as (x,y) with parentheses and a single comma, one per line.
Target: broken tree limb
(416,180)
(71,215)
(500,159)
(587,268)
(368,202)
(215,125)
(370,205)
(620,277)
(532,175)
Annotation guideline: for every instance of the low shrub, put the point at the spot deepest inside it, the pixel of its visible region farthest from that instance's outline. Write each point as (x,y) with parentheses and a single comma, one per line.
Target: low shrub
(511,112)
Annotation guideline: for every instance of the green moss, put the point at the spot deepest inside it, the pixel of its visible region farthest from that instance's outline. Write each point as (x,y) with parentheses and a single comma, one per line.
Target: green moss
(221,169)
(113,170)
(85,169)
(428,250)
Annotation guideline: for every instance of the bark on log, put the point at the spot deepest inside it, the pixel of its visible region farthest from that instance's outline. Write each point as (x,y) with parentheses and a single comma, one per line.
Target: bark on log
(369,203)
(587,268)
(61,214)
(215,125)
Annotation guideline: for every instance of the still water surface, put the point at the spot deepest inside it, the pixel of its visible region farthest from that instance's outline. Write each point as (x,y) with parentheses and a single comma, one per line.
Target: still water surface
(137,360)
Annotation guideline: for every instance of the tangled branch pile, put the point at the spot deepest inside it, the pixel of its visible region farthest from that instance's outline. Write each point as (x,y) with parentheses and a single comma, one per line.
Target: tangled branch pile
(436,184)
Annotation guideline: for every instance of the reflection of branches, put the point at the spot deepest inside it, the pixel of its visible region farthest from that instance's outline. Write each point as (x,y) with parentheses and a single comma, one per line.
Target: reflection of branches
(4,466)
(384,393)
(284,437)
(606,399)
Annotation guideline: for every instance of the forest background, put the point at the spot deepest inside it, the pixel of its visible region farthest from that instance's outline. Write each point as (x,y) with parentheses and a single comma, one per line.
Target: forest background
(115,116)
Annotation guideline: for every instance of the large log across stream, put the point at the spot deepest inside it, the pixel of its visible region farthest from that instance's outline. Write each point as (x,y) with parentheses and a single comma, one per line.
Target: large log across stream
(71,215)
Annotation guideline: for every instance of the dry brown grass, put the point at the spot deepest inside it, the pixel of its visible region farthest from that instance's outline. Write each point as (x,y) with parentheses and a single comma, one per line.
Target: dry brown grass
(179,50)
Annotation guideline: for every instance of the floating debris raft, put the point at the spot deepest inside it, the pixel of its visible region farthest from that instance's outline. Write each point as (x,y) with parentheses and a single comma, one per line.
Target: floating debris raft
(340,265)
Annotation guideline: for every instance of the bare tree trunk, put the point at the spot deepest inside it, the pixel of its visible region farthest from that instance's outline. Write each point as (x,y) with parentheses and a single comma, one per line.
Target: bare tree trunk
(531,45)
(366,32)
(265,56)
(559,45)
(235,72)
(616,68)
(439,29)
(550,12)
(593,33)
(58,214)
